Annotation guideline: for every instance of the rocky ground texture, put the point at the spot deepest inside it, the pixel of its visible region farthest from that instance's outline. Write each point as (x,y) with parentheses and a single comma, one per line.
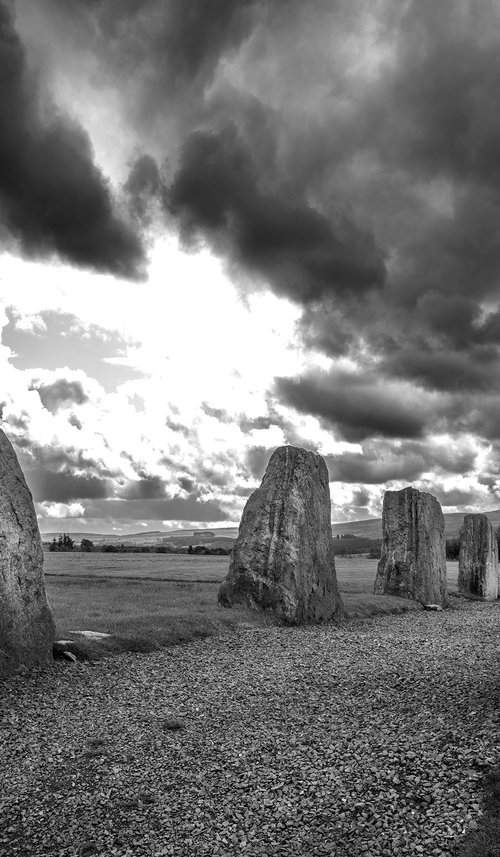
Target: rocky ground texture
(369,738)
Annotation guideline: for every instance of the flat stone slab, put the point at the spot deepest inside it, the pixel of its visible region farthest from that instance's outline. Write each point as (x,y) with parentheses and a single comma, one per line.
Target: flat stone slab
(92,635)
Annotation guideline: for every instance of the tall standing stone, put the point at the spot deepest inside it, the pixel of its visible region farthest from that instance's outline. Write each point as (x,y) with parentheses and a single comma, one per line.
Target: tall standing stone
(26,623)
(283,557)
(478,558)
(413,559)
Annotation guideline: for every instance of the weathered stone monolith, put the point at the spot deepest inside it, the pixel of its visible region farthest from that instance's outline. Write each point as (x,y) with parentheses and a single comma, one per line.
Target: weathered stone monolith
(413,559)
(283,557)
(26,623)
(478,558)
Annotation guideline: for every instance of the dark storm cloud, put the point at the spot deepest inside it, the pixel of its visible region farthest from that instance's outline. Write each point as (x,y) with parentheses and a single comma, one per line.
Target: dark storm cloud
(148,488)
(64,486)
(383,461)
(355,467)
(34,455)
(216,195)
(176,40)
(354,406)
(176,509)
(454,496)
(61,393)
(53,198)
(476,370)
(360,498)
(433,194)
(186,484)
(144,185)
(357,176)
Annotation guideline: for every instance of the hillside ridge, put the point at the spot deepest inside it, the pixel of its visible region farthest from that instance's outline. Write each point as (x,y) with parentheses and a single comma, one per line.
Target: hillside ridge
(370,528)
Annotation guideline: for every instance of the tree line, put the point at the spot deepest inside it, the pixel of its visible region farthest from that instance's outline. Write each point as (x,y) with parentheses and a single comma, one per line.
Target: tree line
(65,543)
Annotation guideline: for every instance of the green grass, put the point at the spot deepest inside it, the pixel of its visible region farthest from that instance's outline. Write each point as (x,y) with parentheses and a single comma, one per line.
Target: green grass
(140,615)
(147,601)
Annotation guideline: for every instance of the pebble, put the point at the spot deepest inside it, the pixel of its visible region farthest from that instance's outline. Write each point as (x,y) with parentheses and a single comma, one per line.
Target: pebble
(370,737)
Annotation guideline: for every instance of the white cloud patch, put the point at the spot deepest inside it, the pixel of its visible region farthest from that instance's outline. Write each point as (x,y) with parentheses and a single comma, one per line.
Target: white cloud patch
(61,510)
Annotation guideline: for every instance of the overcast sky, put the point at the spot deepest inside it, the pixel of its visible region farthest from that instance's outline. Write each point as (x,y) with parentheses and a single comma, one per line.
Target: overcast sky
(233,224)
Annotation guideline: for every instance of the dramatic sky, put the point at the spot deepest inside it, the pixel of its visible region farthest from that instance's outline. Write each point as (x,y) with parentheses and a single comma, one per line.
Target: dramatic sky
(233,224)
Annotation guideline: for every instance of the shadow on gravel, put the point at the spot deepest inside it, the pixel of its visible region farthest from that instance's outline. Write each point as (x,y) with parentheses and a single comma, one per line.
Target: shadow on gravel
(485,842)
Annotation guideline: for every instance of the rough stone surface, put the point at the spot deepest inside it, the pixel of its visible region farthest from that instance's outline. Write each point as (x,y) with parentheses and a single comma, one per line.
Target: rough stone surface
(26,623)
(283,558)
(413,559)
(478,558)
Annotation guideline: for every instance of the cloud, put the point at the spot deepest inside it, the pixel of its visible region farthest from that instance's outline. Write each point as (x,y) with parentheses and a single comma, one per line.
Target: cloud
(271,233)
(361,498)
(355,467)
(53,198)
(62,486)
(176,41)
(175,509)
(150,488)
(343,156)
(257,459)
(61,510)
(476,369)
(357,407)
(382,461)
(456,496)
(61,393)
(217,413)
(249,424)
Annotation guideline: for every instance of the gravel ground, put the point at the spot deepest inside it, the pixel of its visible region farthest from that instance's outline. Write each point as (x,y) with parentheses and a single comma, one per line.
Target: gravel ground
(365,739)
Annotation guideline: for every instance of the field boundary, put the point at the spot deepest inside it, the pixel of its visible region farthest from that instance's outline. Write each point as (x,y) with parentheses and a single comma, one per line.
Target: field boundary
(135,579)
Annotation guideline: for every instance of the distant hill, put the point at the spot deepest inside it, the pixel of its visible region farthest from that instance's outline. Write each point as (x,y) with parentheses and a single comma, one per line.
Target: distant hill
(149,537)
(372,527)
(368,529)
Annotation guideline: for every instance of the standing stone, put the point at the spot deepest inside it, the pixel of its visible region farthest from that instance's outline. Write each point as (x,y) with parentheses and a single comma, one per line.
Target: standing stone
(478,558)
(283,557)
(413,559)
(26,623)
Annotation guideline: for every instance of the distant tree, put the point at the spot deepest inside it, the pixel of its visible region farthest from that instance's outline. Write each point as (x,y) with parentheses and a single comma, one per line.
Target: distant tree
(374,552)
(110,549)
(63,543)
(190,549)
(86,545)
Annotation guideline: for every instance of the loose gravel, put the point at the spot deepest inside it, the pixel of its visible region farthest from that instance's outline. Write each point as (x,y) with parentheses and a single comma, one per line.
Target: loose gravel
(369,738)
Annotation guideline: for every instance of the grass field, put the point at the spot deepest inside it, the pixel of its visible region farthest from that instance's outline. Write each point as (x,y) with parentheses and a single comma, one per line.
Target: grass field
(145,601)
